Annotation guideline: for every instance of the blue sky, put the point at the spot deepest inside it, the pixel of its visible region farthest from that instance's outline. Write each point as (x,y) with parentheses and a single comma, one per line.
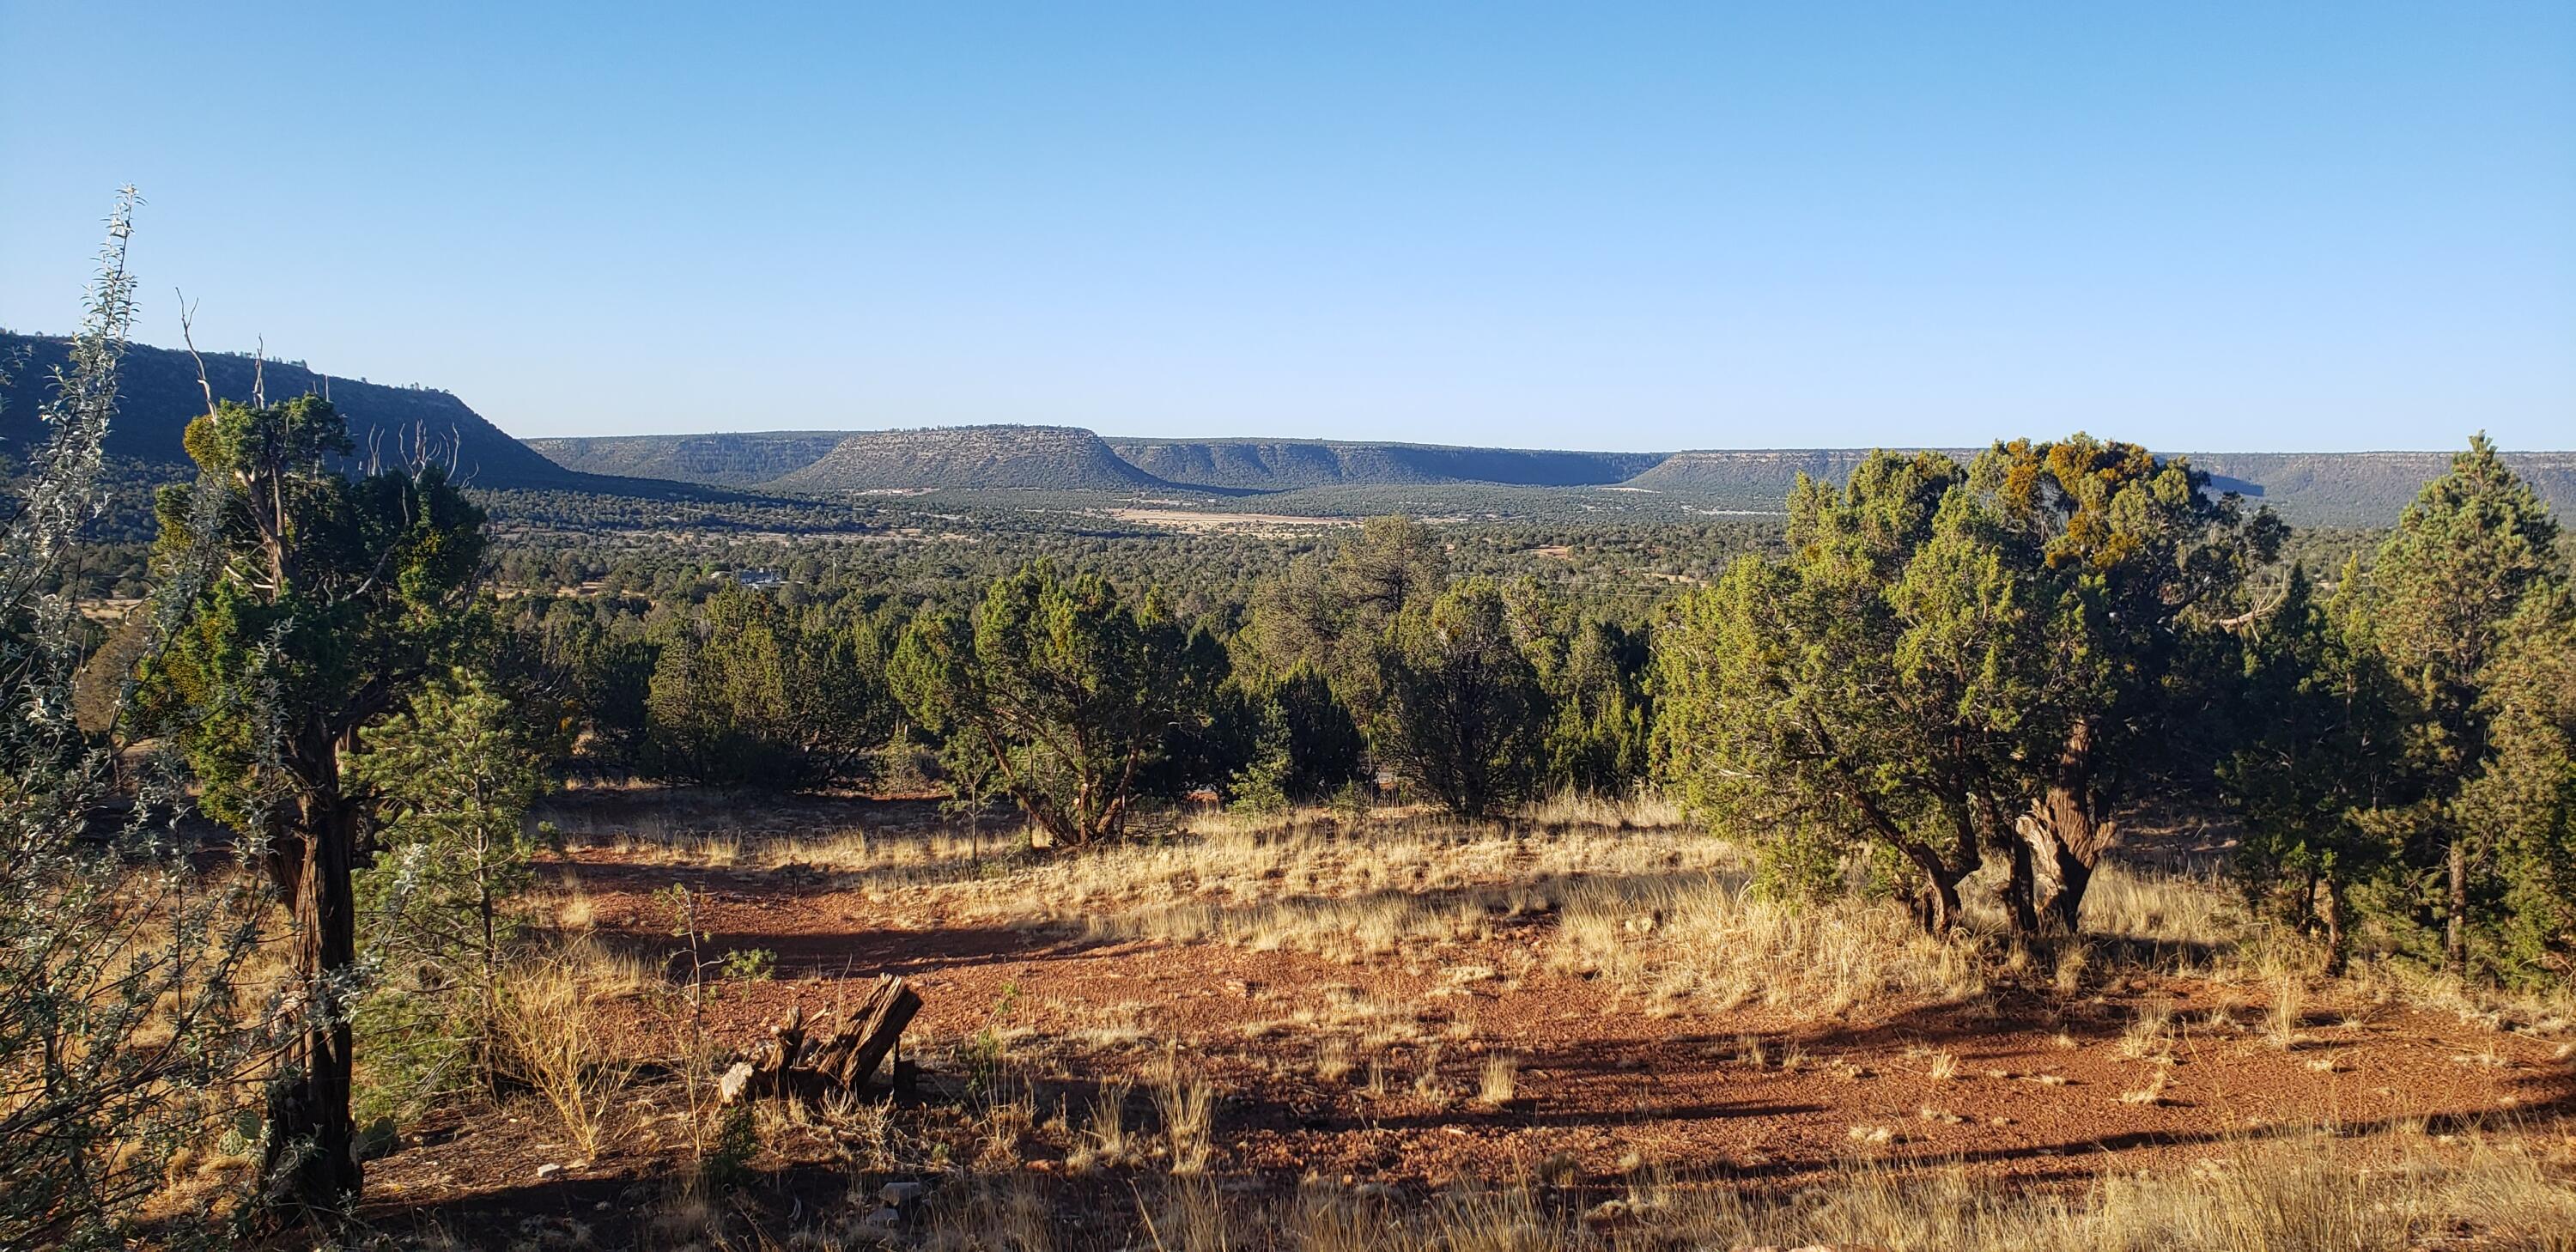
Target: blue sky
(2219,227)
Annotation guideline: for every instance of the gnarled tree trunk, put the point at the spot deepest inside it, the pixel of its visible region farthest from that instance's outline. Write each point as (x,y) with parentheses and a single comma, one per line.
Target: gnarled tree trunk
(2066,822)
(312,1167)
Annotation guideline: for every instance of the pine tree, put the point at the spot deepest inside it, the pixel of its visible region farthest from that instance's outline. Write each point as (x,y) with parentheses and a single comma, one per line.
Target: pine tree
(451,777)
(2465,556)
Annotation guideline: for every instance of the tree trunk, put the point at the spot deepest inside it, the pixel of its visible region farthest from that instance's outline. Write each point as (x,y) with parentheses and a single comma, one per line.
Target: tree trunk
(2021,890)
(2074,873)
(2329,905)
(2064,817)
(1937,906)
(2455,934)
(312,1168)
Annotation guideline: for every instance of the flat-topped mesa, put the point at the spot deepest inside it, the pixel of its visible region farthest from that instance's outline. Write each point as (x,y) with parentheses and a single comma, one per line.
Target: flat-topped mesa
(1286,464)
(1049,458)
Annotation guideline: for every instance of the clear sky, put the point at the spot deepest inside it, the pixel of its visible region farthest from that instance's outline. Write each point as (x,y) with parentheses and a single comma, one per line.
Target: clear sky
(2231,226)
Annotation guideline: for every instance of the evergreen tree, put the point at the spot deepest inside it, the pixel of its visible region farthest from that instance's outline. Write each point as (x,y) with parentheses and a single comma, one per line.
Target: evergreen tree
(2523,802)
(745,695)
(451,777)
(2465,556)
(2132,569)
(1057,693)
(1462,713)
(2323,755)
(1808,700)
(325,598)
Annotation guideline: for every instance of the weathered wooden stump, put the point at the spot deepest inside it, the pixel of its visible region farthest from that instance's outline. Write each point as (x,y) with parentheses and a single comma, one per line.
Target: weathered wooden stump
(787,1063)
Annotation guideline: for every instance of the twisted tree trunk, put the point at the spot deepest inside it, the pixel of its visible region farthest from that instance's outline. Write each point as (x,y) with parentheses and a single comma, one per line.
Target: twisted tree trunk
(311,1167)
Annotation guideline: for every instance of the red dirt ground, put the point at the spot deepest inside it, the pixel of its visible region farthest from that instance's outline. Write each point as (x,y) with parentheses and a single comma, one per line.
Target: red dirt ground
(1602,1086)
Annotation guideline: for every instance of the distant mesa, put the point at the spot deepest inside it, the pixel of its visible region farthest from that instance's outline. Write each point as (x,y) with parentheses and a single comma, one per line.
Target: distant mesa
(721,460)
(1051,458)
(158,395)
(1287,464)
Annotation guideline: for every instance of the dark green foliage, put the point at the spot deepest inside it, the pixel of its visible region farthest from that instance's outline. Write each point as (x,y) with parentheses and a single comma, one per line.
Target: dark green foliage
(2523,803)
(324,599)
(2129,568)
(1330,615)
(1460,710)
(2325,729)
(1827,697)
(2446,603)
(451,778)
(1594,674)
(745,694)
(1057,693)
(580,672)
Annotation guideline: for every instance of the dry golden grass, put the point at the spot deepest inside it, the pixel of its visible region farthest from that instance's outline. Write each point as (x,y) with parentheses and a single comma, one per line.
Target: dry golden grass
(545,1022)
(1187,1104)
(2298,1193)
(1500,1080)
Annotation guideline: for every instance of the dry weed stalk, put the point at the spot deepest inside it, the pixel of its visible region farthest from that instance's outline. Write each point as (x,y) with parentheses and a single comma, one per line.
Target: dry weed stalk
(546,1023)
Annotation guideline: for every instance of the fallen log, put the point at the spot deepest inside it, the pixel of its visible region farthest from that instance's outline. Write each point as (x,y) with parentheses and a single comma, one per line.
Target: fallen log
(788,1063)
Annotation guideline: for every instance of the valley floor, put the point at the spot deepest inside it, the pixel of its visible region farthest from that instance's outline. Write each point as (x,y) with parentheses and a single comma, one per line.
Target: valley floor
(1581,1027)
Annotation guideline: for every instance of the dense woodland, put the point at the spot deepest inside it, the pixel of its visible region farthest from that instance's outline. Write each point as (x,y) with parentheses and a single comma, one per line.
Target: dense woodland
(365,679)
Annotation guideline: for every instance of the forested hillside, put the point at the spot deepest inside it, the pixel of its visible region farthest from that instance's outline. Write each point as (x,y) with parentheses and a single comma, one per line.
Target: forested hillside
(159,394)
(2370,488)
(727,459)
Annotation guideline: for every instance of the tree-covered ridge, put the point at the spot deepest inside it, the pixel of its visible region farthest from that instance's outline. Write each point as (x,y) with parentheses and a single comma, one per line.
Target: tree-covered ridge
(724,459)
(159,393)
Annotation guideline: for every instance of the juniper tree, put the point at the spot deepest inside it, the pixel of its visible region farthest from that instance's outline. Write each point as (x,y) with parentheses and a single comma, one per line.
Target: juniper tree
(1462,713)
(326,595)
(1826,695)
(1057,694)
(2135,569)
(1593,672)
(745,694)
(2522,804)
(2322,756)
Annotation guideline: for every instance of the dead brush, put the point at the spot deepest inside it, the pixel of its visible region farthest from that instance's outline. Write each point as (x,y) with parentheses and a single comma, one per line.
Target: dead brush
(544,1022)
(1107,1141)
(2282,1020)
(2151,1035)
(1428,1087)
(1333,1061)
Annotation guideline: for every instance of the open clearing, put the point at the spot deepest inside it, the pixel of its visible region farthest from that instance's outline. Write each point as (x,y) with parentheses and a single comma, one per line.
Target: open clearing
(1573,1004)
